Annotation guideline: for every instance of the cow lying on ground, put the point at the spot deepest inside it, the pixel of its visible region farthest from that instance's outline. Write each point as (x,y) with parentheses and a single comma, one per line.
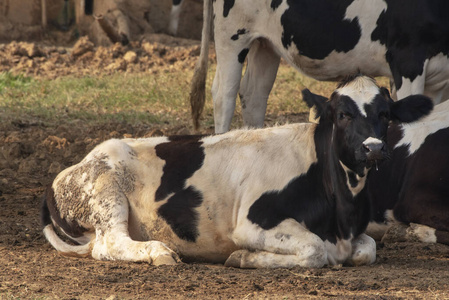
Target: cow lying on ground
(277,197)
(410,192)
(324,39)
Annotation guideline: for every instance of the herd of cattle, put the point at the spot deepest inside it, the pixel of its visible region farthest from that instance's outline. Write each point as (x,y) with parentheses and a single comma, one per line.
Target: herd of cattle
(309,194)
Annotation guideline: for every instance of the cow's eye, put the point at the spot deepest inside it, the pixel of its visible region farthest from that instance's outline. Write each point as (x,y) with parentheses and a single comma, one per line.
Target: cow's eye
(344,116)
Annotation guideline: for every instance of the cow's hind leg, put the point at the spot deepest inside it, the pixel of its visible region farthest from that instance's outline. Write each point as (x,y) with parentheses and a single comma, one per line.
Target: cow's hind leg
(261,70)
(287,245)
(113,242)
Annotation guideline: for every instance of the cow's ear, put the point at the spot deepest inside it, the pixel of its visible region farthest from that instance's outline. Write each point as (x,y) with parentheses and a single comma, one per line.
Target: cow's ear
(316,101)
(411,108)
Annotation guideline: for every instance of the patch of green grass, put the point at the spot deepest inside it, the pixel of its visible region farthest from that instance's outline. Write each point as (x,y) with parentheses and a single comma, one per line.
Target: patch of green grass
(160,98)
(8,80)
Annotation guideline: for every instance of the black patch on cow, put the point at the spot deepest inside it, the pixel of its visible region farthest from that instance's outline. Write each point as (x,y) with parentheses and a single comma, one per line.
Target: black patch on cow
(242,55)
(227,5)
(424,192)
(49,209)
(412,33)
(318,27)
(176,2)
(183,156)
(275,4)
(239,32)
(301,200)
(179,212)
(352,179)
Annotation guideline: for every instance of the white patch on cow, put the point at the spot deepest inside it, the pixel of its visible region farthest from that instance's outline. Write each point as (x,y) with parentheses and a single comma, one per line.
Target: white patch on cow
(414,134)
(360,180)
(362,91)
(372,141)
(423,233)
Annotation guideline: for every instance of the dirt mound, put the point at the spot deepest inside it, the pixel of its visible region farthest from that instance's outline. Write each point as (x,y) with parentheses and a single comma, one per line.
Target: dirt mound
(155,52)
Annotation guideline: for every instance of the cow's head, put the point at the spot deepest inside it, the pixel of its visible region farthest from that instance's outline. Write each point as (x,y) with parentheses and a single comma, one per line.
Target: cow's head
(359,112)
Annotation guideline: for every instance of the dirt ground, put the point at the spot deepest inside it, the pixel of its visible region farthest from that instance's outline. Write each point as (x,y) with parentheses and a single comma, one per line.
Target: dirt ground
(33,152)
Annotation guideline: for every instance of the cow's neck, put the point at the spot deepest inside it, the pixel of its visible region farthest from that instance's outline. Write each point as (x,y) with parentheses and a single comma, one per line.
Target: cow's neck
(342,186)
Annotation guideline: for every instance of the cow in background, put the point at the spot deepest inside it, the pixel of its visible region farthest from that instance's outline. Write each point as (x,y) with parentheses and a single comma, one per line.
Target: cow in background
(286,196)
(324,39)
(175,14)
(410,192)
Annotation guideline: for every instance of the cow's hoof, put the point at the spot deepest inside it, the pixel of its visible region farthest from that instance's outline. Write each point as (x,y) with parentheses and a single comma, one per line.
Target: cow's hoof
(235,259)
(165,259)
(421,233)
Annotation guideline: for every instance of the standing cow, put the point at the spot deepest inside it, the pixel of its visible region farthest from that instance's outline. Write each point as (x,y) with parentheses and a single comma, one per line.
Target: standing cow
(410,191)
(277,197)
(407,41)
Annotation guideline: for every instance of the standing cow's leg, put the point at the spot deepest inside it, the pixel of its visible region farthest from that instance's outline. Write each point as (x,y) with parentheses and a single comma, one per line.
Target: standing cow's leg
(261,70)
(226,82)
(287,245)
(174,17)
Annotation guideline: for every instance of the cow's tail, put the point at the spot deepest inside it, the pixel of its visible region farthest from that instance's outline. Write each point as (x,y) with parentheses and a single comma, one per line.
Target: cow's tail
(198,85)
(50,233)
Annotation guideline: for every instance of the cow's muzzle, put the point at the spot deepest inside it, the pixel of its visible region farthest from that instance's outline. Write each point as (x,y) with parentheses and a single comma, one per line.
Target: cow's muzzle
(375,150)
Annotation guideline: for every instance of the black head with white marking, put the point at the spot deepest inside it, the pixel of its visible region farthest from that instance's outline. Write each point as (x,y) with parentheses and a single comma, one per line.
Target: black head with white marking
(358,113)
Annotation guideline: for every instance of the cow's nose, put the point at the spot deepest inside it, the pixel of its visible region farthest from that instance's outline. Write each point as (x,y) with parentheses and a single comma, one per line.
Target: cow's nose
(374,149)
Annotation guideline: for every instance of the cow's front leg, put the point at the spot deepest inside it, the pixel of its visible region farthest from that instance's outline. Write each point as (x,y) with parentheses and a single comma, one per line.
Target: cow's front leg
(287,245)
(363,251)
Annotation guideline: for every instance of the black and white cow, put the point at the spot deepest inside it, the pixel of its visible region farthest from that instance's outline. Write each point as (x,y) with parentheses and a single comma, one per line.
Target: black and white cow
(275,197)
(410,192)
(325,39)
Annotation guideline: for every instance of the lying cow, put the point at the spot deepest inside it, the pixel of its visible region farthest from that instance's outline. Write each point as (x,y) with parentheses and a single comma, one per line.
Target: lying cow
(324,39)
(277,197)
(412,188)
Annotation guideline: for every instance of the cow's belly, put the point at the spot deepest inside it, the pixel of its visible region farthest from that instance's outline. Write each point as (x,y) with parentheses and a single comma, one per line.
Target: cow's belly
(368,60)
(211,245)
